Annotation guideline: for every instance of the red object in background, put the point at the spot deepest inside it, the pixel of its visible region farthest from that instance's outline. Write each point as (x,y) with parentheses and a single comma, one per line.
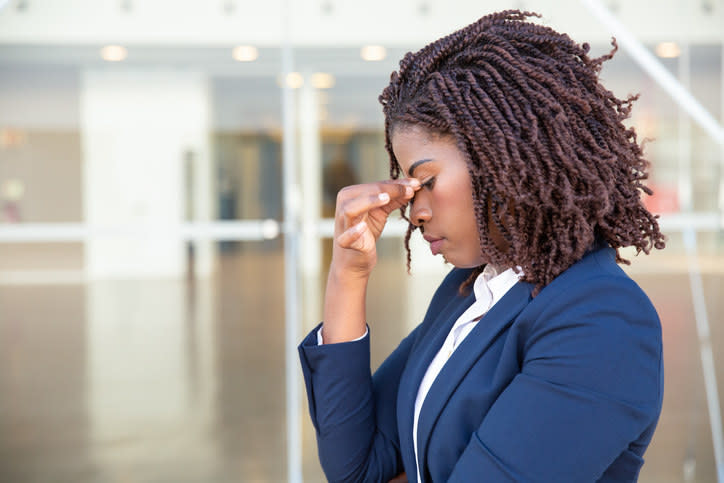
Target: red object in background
(11,212)
(664,200)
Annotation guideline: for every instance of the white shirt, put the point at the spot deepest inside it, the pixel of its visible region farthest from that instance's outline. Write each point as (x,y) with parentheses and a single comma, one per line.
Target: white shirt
(489,287)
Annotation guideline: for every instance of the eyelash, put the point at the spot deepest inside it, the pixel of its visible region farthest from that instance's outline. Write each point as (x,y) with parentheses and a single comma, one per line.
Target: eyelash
(429,183)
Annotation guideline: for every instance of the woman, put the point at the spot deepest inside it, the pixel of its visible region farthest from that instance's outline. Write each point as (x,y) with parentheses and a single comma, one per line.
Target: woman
(538,358)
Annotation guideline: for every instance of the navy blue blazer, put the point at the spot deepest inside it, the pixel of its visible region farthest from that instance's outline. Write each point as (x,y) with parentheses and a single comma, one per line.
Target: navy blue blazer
(563,387)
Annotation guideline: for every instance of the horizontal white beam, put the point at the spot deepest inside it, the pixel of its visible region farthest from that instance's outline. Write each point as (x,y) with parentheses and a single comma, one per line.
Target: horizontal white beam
(394,228)
(259,230)
(707,221)
(246,230)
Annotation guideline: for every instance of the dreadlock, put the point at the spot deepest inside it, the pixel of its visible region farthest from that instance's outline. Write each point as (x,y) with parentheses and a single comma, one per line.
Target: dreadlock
(540,135)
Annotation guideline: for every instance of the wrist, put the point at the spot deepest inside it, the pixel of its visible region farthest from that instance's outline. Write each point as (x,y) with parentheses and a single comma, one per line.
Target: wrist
(347,276)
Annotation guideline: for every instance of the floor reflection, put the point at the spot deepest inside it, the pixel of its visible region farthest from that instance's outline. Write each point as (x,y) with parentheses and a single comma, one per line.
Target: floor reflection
(182,381)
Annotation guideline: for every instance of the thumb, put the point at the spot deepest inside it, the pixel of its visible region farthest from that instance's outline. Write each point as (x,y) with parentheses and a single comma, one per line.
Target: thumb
(353,237)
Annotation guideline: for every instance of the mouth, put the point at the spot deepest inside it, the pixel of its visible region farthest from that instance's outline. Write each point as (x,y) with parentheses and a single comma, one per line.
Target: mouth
(435,243)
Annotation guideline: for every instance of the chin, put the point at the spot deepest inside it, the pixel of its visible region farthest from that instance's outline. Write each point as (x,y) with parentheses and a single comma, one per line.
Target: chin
(462,263)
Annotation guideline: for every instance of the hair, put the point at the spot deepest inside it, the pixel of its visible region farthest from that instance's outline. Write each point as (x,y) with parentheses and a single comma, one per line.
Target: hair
(543,139)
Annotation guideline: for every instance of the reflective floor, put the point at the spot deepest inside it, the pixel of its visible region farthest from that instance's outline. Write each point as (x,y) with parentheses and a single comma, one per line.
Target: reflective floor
(181,381)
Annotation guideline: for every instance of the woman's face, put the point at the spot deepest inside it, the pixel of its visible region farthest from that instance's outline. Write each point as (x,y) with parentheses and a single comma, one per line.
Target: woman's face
(443,207)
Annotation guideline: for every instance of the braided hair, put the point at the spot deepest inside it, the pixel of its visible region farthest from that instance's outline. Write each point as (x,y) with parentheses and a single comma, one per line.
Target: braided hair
(550,160)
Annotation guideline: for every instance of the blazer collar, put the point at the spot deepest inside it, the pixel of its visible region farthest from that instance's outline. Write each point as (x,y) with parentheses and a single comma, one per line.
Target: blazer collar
(500,316)
(420,358)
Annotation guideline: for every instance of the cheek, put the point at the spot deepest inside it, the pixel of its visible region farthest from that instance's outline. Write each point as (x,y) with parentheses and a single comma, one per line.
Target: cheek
(454,192)
(455,203)
(459,198)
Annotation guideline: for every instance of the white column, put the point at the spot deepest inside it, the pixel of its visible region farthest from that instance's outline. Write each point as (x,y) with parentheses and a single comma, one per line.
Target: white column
(203,199)
(685,177)
(310,160)
(292,300)
(721,146)
(138,128)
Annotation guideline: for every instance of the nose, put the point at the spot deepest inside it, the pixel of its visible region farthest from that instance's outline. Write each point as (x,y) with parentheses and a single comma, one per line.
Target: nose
(420,212)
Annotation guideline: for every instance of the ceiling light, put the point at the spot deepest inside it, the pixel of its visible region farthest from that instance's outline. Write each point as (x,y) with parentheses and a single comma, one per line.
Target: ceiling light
(13,190)
(668,50)
(114,53)
(245,53)
(322,80)
(293,80)
(373,52)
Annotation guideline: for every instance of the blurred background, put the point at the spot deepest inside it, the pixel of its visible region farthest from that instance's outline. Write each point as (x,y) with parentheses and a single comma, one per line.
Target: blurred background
(168,171)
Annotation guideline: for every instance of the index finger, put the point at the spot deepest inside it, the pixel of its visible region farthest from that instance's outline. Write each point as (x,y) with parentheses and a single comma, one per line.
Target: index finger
(399,188)
(393,187)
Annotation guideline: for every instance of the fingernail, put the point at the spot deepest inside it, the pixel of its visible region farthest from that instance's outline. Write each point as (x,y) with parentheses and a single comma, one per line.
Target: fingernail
(360,227)
(409,191)
(414,182)
(384,197)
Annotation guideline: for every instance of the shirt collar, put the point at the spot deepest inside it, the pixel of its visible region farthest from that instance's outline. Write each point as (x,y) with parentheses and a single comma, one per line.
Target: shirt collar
(493,283)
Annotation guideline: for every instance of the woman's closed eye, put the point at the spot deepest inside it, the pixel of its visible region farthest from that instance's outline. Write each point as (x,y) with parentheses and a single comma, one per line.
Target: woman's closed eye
(429,183)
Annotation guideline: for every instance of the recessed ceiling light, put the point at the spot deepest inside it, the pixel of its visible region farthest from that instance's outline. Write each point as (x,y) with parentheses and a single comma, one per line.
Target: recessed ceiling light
(322,80)
(245,53)
(13,189)
(668,50)
(373,52)
(114,53)
(293,80)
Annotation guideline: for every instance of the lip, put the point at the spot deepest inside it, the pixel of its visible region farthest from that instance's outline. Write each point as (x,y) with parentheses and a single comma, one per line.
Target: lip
(435,243)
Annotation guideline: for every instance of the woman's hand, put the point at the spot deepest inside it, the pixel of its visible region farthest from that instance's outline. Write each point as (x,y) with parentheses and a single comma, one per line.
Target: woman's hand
(360,217)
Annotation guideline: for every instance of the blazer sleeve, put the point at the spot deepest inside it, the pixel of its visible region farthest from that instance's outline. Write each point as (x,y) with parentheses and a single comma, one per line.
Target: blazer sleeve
(590,384)
(354,414)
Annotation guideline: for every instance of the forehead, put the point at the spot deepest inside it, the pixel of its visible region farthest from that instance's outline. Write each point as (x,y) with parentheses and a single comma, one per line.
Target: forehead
(413,144)
(406,132)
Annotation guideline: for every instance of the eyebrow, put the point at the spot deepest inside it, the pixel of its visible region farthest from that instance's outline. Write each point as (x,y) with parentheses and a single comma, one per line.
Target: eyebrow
(416,164)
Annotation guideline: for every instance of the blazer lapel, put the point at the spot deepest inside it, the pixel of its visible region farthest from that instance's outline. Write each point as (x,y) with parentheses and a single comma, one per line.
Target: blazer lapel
(417,365)
(496,320)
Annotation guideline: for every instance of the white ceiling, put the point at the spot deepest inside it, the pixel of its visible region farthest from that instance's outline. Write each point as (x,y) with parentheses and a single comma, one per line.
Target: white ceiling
(45,45)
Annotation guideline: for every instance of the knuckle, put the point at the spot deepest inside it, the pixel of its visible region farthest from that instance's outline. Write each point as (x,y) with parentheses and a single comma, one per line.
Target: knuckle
(344,207)
(342,194)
